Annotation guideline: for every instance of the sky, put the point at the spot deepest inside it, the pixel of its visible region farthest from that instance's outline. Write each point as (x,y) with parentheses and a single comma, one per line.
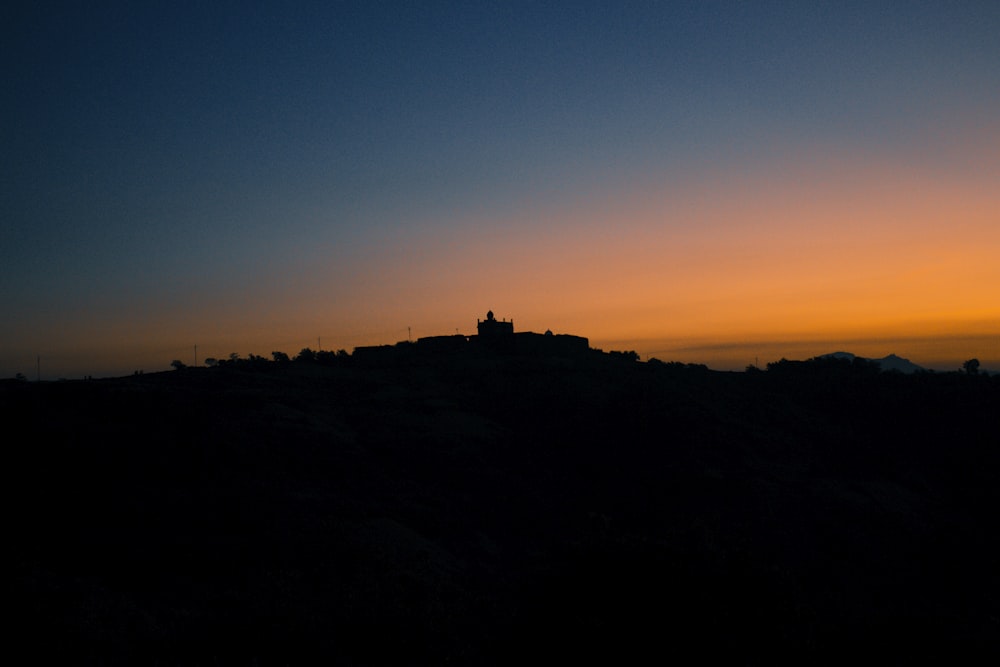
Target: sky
(709,182)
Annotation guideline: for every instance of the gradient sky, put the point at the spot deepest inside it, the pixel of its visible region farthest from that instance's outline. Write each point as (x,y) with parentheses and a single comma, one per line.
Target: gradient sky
(707,182)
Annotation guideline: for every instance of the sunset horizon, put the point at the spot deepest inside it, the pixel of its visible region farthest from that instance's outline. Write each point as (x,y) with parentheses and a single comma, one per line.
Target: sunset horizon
(718,184)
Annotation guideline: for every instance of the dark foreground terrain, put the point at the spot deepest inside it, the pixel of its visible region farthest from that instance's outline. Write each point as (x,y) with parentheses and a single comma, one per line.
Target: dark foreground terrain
(488,510)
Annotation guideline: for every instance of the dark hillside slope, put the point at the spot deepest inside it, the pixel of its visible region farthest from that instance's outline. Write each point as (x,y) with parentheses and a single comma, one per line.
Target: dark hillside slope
(463,509)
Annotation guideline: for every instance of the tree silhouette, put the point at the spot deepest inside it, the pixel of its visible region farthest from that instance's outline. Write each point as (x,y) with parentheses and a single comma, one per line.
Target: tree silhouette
(178,364)
(971,366)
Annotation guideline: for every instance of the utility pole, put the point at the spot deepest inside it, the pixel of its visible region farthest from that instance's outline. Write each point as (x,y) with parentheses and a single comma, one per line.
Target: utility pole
(409,336)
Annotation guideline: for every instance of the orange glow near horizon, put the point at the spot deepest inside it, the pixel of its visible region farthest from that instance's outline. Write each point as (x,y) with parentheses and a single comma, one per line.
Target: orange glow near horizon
(831,252)
(796,256)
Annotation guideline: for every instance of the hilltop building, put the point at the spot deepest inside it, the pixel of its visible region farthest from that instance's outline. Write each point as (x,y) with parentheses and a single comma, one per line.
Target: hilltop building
(499,335)
(493,336)
(493,327)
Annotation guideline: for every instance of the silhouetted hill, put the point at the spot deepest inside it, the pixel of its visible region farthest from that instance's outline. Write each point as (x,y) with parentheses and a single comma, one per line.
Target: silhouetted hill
(477,509)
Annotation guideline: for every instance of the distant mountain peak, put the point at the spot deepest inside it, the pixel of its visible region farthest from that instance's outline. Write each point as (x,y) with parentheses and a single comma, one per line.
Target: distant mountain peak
(896,363)
(890,362)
